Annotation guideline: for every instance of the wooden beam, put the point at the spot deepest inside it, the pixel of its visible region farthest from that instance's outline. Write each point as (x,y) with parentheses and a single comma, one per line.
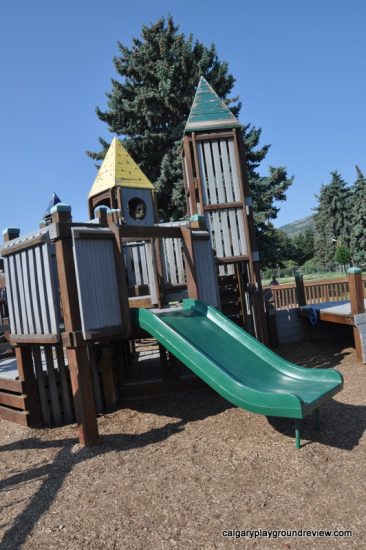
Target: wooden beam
(19,417)
(34,339)
(149,232)
(223,206)
(213,135)
(12,400)
(8,250)
(11,385)
(192,203)
(198,174)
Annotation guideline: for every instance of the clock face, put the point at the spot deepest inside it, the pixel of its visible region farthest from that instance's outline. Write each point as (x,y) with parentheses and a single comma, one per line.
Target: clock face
(137,209)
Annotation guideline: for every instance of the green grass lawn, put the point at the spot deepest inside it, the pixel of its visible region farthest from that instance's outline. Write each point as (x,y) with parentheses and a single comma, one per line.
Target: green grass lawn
(309,277)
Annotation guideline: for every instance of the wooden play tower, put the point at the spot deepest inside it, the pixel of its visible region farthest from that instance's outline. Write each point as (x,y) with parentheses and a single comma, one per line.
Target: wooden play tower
(217,191)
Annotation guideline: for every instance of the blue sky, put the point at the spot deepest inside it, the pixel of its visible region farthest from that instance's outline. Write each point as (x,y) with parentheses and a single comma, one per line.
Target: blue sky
(299,69)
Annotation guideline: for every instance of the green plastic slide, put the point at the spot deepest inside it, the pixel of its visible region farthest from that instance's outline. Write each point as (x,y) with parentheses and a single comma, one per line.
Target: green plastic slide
(236,365)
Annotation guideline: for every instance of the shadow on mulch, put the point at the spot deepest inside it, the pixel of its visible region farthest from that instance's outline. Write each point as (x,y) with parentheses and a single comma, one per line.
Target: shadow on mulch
(189,406)
(326,354)
(53,475)
(341,425)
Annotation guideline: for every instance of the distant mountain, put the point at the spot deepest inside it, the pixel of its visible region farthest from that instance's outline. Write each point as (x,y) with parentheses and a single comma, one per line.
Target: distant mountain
(298,226)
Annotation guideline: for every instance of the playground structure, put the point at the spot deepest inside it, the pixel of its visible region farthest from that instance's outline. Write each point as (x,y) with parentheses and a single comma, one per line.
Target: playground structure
(74,287)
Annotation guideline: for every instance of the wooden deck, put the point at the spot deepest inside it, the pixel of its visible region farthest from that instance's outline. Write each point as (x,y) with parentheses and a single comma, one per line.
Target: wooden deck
(331,312)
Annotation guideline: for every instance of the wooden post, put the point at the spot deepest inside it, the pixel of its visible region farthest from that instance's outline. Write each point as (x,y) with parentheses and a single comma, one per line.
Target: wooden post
(101,213)
(197,222)
(10,233)
(300,289)
(356,293)
(79,366)
(356,290)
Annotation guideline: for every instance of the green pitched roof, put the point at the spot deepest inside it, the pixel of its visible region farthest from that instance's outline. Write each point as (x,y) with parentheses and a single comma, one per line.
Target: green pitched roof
(208,111)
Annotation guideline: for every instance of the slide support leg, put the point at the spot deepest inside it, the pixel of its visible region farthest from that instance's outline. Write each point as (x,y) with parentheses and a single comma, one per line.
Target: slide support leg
(297,433)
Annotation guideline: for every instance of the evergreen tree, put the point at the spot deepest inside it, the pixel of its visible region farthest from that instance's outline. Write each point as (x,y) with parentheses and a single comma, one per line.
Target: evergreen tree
(357,216)
(303,245)
(150,103)
(331,218)
(342,255)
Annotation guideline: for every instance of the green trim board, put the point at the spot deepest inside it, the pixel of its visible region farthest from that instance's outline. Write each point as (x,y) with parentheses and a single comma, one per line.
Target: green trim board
(209,111)
(235,364)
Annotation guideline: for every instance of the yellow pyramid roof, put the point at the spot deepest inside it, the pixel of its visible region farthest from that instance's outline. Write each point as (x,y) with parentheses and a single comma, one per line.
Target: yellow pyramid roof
(119,170)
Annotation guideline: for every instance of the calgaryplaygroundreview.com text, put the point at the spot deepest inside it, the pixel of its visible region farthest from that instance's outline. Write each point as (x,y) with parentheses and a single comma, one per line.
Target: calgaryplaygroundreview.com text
(285,533)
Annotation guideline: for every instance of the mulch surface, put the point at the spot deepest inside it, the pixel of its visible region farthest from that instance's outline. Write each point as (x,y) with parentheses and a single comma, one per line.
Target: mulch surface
(173,472)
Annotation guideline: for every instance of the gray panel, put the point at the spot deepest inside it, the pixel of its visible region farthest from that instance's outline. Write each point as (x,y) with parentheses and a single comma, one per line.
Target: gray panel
(206,272)
(97,283)
(31,291)
(143,194)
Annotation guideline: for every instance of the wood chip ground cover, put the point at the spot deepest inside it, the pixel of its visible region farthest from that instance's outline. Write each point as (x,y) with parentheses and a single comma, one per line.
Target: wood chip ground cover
(175,471)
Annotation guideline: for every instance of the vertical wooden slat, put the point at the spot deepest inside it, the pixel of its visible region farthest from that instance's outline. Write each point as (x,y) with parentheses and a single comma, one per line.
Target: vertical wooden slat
(152,272)
(136,265)
(129,265)
(95,380)
(10,296)
(145,275)
(19,276)
(50,290)
(24,359)
(234,170)
(203,174)
(52,384)
(27,291)
(64,385)
(213,199)
(171,262)
(35,292)
(179,257)
(109,390)
(41,385)
(43,302)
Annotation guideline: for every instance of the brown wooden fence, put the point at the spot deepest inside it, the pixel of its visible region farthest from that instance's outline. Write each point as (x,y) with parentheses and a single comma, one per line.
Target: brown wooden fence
(316,292)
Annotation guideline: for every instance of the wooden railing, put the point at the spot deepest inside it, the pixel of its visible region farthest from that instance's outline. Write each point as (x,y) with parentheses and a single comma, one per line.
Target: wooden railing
(316,292)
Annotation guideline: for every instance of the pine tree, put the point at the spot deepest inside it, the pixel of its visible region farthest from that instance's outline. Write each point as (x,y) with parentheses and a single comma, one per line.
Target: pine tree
(332,218)
(149,105)
(303,245)
(357,239)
